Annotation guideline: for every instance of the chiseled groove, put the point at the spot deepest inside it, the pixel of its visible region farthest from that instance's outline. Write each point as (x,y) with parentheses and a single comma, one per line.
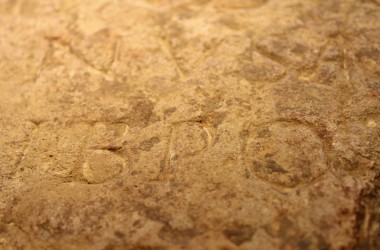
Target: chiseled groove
(164,168)
(166,48)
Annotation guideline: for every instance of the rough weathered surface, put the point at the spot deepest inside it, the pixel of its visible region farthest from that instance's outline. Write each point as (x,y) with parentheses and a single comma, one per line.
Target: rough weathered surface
(189,124)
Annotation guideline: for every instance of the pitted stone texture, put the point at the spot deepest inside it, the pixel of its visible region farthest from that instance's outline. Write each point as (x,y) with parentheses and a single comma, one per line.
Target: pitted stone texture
(189,139)
(101,166)
(189,124)
(358,145)
(285,154)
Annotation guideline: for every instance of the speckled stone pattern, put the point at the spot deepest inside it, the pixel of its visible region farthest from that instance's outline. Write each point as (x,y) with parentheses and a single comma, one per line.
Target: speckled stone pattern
(189,124)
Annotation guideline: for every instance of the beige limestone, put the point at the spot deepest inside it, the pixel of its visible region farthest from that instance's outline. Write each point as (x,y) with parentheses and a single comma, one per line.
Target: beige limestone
(189,124)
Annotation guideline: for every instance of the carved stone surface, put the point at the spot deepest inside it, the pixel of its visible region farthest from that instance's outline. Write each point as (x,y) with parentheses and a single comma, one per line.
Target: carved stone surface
(189,124)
